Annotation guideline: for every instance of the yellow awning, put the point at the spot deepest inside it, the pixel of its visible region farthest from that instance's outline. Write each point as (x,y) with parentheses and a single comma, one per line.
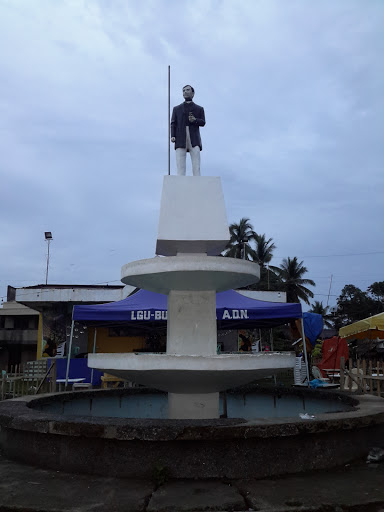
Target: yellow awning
(372,328)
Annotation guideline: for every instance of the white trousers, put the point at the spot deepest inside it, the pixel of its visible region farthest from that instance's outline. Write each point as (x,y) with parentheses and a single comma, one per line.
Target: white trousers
(181,157)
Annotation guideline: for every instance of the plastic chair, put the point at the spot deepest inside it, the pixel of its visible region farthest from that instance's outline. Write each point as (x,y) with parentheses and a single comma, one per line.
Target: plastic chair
(317,374)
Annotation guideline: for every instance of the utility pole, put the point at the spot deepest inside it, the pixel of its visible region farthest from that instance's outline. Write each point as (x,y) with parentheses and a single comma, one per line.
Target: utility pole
(169,120)
(244,241)
(329,291)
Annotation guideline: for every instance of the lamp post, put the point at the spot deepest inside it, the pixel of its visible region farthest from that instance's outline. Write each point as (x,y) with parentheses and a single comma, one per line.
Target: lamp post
(48,238)
(244,241)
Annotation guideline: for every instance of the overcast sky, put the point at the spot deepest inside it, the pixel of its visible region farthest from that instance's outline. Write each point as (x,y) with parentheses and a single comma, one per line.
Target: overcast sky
(293,93)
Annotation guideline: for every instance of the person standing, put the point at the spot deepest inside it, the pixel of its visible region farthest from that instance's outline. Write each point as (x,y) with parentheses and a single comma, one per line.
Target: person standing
(185,132)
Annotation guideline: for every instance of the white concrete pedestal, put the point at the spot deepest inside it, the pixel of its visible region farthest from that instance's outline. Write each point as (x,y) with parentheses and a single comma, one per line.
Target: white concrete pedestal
(199,406)
(192,216)
(191,330)
(191,327)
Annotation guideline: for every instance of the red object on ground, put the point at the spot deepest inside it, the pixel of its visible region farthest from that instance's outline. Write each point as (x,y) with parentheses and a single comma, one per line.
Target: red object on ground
(333,349)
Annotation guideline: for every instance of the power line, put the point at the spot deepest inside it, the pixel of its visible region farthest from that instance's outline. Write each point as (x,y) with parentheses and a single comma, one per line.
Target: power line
(335,255)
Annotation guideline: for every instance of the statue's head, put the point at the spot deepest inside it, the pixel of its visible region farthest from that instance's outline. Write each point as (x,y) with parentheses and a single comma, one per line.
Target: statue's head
(188,92)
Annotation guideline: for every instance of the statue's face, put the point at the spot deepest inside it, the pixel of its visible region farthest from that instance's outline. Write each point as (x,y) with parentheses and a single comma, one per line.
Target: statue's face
(188,93)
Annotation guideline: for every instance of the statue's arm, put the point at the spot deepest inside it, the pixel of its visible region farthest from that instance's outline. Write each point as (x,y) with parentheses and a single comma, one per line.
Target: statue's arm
(200,121)
(173,124)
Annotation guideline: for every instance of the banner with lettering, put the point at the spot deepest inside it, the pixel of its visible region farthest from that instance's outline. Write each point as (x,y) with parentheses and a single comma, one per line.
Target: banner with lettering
(231,308)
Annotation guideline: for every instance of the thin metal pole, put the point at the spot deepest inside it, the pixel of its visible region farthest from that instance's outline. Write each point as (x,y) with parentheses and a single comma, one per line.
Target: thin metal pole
(46,274)
(69,354)
(169,120)
(94,350)
(305,350)
(329,291)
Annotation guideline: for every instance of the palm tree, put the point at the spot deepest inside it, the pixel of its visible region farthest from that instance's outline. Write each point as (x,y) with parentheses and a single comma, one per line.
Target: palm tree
(318,308)
(291,274)
(241,234)
(264,249)
(262,255)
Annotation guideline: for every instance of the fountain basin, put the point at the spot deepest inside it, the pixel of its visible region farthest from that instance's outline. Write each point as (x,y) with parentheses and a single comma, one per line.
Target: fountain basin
(191,373)
(193,272)
(233,447)
(153,404)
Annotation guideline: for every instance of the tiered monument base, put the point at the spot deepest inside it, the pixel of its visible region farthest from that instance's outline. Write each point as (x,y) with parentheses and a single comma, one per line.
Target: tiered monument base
(193,230)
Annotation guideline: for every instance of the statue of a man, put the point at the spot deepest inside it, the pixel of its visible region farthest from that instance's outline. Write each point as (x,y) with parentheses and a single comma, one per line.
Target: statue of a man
(186,120)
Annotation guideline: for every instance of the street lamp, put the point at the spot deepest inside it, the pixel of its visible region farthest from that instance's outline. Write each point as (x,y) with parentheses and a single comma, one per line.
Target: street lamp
(48,238)
(244,241)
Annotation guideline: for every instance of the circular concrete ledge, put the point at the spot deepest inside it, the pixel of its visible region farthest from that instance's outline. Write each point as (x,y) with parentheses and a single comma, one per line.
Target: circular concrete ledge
(189,448)
(191,373)
(194,272)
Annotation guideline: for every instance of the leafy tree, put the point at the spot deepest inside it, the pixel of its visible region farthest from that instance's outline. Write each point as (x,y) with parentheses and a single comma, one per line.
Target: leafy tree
(376,291)
(317,307)
(291,274)
(353,304)
(241,236)
(269,280)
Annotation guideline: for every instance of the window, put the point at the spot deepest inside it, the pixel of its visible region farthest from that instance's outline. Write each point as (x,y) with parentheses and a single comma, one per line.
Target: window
(20,322)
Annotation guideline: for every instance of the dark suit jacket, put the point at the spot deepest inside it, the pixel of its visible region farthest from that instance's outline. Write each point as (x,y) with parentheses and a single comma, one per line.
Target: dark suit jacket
(180,121)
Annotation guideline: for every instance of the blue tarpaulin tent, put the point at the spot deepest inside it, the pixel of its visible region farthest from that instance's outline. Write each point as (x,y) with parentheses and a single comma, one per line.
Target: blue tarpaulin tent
(232,309)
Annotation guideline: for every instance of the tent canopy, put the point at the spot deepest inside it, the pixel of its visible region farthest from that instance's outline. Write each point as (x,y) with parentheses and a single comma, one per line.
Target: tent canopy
(371,327)
(313,326)
(232,310)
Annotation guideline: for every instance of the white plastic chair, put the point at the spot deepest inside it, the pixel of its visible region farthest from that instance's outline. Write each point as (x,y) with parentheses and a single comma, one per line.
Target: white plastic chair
(317,374)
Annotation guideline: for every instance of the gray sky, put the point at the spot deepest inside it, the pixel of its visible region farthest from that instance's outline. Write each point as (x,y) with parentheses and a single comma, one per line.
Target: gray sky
(293,93)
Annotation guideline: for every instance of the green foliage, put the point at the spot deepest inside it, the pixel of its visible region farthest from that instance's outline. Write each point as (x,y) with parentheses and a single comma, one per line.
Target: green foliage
(316,352)
(263,249)
(269,281)
(241,235)
(376,290)
(257,248)
(317,307)
(291,274)
(353,304)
